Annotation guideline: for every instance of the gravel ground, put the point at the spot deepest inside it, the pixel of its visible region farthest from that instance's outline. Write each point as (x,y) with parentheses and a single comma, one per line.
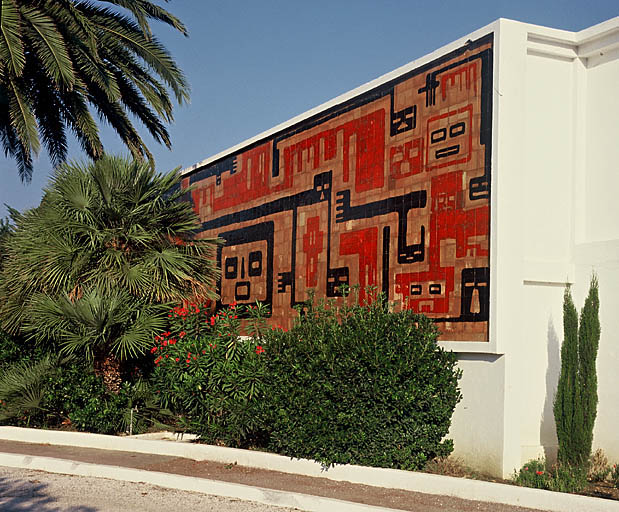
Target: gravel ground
(35,491)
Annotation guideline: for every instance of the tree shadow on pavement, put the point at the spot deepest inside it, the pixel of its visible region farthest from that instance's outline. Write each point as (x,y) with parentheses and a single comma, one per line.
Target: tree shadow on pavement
(29,495)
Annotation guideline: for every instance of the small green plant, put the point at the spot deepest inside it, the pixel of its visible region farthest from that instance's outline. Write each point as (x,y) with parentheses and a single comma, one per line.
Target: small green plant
(567,478)
(559,478)
(533,474)
(614,475)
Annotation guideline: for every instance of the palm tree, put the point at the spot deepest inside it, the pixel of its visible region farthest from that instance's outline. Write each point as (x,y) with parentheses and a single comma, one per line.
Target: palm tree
(90,268)
(60,57)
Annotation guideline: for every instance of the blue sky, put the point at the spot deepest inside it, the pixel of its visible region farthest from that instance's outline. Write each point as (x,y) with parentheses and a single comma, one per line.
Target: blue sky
(252,65)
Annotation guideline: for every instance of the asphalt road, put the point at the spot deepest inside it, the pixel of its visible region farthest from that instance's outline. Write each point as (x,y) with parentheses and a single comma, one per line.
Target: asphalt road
(34,491)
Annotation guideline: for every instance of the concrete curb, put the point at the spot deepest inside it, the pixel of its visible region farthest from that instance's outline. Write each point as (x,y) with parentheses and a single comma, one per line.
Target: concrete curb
(187,483)
(378,477)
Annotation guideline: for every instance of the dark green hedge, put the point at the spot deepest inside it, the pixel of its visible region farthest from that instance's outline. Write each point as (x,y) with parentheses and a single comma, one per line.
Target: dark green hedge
(359,385)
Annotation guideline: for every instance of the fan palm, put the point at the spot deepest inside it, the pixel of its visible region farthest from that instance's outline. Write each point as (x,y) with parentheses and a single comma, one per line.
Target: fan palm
(23,385)
(109,238)
(60,57)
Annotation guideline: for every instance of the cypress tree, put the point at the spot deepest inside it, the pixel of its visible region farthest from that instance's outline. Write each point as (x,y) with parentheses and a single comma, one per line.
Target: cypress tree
(588,343)
(575,406)
(567,399)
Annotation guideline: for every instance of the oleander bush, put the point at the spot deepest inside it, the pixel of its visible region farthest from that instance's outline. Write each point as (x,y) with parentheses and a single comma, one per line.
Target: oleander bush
(208,374)
(359,383)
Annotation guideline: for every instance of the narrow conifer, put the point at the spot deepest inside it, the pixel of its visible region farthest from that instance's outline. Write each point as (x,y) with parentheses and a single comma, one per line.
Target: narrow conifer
(575,406)
(588,343)
(567,399)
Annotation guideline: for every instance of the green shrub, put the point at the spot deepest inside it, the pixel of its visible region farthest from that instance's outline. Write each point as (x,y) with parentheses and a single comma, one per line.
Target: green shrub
(52,393)
(13,349)
(559,478)
(567,478)
(614,476)
(359,384)
(209,375)
(533,474)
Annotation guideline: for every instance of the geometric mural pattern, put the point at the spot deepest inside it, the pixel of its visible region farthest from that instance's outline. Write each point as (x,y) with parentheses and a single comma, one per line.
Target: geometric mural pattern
(389,189)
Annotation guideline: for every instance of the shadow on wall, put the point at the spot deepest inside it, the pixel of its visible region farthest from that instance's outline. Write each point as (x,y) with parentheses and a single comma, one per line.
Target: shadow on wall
(548,433)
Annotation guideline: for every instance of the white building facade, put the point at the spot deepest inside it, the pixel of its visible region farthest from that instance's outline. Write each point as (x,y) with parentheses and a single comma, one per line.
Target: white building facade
(553,160)
(555,220)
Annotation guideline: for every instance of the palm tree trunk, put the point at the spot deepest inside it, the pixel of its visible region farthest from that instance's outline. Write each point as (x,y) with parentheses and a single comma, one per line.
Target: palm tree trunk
(108,367)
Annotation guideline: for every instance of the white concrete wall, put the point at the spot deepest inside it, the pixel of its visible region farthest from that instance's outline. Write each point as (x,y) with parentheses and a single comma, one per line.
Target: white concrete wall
(597,214)
(570,118)
(555,219)
(478,423)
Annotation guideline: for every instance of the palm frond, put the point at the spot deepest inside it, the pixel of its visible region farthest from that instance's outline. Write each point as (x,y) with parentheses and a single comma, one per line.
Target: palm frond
(143,10)
(61,58)
(22,387)
(11,44)
(49,46)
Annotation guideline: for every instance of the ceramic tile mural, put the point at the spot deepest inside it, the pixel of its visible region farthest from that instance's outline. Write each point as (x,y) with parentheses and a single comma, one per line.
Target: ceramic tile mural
(390,189)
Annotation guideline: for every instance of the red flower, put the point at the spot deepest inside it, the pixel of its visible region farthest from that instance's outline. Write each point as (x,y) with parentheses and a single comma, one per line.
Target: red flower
(165,342)
(176,359)
(212,320)
(539,472)
(153,350)
(182,334)
(259,349)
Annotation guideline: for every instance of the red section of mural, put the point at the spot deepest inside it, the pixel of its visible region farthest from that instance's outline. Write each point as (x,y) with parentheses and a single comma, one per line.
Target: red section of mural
(312,247)
(429,292)
(406,159)
(249,183)
(363,243)
(449,138)
(426,292)
(460,76)
(369,136)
